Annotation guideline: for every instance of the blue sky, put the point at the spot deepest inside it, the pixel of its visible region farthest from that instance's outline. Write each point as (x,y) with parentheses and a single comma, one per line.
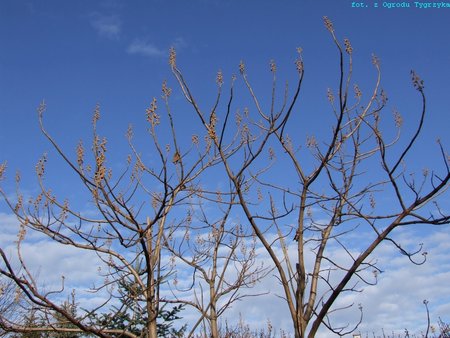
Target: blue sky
(75,54)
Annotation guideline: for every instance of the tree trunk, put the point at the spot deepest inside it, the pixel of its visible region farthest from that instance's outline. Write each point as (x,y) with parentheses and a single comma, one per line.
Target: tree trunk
(212,311)
(152,331)
(214,328)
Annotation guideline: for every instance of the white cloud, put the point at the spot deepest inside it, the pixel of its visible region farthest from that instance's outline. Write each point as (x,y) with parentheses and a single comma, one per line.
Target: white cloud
(145,48)
(108,26)
(394,304)
(9,229)
(179,43)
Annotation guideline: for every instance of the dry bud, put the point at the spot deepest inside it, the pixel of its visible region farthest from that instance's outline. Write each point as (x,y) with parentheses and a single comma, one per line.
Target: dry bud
(375,60)
(219,78)
(311,141)
(19,204)
(99,175)
(37,201)
(287,142)
(417,81)
(273,208)
(358,92)
(2,170)
(376,117)
(152,116)
(299,60)
(372,201)
(166,90)
(243,248)
(245,133)
(273,66)
(103,145)
(208,140)
(271,153)
(187,234)
(22,232)
(328,24)
(194,139)
(40,166)
(129,133)
(242,67)
(96,116)
(212,125)
(17,295)
(176,158)
(17,178)
(80,154)
(375,273)
(260,195)
(299,65)
(42,107)
(398,119)
(172,57)
(384,97)
(238,118)
(213,119)
(330,95)
(189,217)
(348,46)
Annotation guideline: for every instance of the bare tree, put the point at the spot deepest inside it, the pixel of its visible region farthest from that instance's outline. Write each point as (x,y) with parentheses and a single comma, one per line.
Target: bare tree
(217,255)
(297,200)
(327,191)
(9,304)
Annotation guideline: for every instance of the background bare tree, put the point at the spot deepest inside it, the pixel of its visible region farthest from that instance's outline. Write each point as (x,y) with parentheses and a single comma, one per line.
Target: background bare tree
(218,257)
(300,201)
(9,304)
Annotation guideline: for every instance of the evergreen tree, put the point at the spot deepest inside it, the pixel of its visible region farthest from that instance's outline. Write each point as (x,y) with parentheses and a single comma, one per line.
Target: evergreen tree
(131,316)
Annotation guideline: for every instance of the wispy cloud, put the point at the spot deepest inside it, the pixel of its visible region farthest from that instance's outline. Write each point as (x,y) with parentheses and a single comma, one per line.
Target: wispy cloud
(179,43)
(142,46)
(108,26)
(145,48)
